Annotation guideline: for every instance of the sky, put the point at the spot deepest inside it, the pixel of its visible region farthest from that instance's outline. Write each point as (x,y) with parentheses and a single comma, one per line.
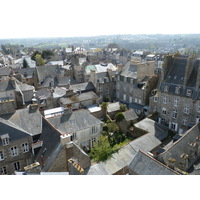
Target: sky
(72,18)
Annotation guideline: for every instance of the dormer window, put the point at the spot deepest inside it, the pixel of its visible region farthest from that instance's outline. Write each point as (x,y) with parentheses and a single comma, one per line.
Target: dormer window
(189,92)
(5,139)
(177,90)
(166,89)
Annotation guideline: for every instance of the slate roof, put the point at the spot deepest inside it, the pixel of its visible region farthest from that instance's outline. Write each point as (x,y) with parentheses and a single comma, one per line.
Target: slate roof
(83,87)
(43,93)
(51,145)
(5,71)
(27,119)
(14,131)
(47,71)
(181,146)
(129,70)
(5,85)
(130,115)
(157,130)
(176,74)
(112,107)
(100,68)
(124,156)
(24,87)
(143,164)
(73,122)
(79,98)
(26,72)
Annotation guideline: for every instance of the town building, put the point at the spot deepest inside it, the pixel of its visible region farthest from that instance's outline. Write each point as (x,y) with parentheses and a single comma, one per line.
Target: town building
(177,98)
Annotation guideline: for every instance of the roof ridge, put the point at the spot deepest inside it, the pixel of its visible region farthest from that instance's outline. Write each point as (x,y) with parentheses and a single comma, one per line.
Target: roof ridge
(187,132)
(158,162)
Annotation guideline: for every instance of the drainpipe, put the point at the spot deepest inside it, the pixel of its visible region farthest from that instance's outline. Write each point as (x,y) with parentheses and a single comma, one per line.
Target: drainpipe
(20,92)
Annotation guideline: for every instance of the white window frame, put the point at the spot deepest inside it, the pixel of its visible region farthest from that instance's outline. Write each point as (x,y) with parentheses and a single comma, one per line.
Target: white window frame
(155,99)
(174,114)
(73,136)
(5,141)
(164,111)
(130,99)
(166,89)
(188,92)
(165,100)
(14,151)
(176,102)
(177,90)
(124,97)
(186,110)
(139,101)
(184,122)
(198,108)
(94,130)
(25,147)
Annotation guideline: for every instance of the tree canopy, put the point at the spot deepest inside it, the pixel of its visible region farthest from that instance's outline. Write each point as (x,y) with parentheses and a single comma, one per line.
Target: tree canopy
(101,150)
(39,60)
(25,64)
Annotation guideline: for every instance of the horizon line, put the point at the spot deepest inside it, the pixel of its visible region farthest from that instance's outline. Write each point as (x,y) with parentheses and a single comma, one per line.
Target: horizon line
(45,37)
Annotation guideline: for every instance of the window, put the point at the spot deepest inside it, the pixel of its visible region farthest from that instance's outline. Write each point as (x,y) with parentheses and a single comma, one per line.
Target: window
(100,88)
(165,100)
(166,89)
(107,90)
(189,92)
(93,141)
(125,79)
(73,136)
(174,126)
(124,97)
(130,99)
(3,170)
(17,166)
(14,151)
(1,155)
(176,101)
(198,108)
(174,114)
(94,130)
(139,101)
(184,122)
(177,90)
(186,110)
(155,99)
(164,111)
(5,139)
(136,100)
(25,147)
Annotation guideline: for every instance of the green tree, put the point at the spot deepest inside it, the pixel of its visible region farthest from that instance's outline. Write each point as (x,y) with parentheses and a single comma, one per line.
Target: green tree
(101,150)
(25,64)
(119,117)
(123,107)
(47,54)
(34,54)
(39,60)
(112,127)
(104,107)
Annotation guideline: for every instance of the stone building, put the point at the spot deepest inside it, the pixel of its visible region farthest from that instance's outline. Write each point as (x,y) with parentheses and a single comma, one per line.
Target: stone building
(177,100)
(83,128)
(134,84)
(15,148)
(105,84)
